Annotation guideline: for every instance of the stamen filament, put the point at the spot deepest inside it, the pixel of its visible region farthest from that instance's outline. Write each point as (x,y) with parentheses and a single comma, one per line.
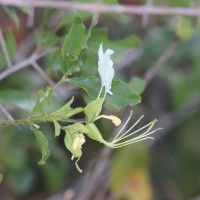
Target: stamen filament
(136,139)
(122,136)
(132,142)
(123,126)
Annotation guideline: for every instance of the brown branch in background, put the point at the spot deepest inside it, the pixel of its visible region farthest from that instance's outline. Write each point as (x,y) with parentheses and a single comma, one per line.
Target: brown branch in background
(105,8)
(45,76)
(23,64)
(42,73)
(145,16)
(31,17)
(167,54)
(5,50)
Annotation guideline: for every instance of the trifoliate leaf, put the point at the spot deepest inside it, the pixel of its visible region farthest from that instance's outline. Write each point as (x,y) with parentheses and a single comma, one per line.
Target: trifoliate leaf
(93,109)
(43,143)
(73,45)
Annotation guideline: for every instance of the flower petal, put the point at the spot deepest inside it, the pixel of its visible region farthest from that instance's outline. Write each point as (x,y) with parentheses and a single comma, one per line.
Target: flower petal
(105,68)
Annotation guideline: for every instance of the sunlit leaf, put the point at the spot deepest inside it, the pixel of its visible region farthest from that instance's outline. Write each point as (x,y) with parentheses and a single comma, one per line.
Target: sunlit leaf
(43,143)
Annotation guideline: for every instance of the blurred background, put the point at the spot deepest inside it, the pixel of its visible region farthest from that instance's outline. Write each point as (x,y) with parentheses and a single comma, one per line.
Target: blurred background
(157,55)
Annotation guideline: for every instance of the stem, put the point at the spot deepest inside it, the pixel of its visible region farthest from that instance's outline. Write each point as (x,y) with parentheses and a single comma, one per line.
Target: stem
(100,92)
(46,118)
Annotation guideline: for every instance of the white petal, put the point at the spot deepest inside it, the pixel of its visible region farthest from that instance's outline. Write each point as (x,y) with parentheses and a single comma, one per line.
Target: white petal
(105,68)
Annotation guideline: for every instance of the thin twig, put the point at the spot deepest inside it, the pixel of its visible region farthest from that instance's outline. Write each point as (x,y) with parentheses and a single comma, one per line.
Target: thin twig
(23,64)
(167,54)
(145,17)
(42,73)
(5,50)
(105,8)
(31,17)
(7,114)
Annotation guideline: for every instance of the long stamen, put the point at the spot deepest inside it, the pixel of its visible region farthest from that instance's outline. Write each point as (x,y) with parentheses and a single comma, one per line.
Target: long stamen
(122,136)
(147,133)
(130,115)
(134,140)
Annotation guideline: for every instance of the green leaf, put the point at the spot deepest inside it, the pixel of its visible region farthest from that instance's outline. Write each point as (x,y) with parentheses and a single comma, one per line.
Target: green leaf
(184,28)
(18,98)
(11,44)
(137,84)
(57,128)
(46,38)
(43,99)
(122,94)
(64,110)
(12,14)
(43,143)
(93,109)
(73,45)
(75,128)
(74,112)
(93,132)
(91,85)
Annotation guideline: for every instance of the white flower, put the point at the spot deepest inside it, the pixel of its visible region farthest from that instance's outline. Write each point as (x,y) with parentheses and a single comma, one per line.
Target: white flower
(105,68)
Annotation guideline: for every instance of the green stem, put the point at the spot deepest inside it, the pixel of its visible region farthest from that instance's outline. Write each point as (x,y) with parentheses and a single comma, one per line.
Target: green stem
(39,119)
(100,92)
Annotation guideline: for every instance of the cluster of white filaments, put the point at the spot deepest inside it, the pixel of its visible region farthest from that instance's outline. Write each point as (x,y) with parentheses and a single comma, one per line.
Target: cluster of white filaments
(126,138)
